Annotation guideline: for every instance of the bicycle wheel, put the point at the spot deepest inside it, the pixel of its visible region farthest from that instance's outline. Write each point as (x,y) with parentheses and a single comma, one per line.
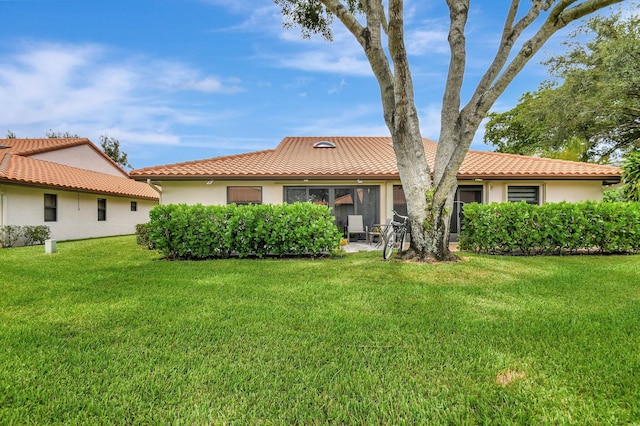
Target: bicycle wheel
(389,242)
(403,237)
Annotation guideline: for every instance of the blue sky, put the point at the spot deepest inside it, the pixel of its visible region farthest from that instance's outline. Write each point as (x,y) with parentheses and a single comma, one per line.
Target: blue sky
(179,80)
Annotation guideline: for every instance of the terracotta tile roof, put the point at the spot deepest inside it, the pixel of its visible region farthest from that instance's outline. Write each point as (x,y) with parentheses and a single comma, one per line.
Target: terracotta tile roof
(366,158)
(35,146)
(17,168)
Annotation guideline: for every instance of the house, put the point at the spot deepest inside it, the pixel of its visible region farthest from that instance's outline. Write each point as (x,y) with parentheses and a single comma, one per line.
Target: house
(72,187)
(359,175)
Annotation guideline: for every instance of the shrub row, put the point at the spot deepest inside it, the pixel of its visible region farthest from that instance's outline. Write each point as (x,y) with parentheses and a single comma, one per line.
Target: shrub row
(181,231)
(558,228)
(11,234)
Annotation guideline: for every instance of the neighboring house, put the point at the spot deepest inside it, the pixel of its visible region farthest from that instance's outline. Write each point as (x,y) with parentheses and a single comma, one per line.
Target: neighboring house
(72,187)
(359,175)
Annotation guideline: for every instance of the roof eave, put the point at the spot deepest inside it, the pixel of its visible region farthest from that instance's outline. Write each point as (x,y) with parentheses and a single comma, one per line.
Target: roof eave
(17,182)
(144,178)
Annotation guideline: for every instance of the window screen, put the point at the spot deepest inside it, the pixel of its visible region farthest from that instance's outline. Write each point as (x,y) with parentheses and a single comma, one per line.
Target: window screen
(530,194)
(102,209)
(244,195)
(50,207)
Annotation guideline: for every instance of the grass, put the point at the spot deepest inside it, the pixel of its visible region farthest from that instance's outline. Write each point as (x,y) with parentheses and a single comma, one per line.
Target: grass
(106,332)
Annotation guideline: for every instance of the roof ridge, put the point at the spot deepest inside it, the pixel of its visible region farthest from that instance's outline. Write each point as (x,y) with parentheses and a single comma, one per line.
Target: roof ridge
(530,157)
(191,162)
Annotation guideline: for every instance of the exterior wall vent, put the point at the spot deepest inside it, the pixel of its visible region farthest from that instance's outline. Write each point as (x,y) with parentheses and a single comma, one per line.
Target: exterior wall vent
(324,144)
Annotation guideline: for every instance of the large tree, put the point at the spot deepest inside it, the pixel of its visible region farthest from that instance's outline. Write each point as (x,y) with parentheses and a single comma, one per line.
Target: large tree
(590,109)
(430,193)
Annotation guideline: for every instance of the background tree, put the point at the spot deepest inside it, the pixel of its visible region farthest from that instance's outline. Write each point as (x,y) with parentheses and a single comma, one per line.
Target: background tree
(590,109)
(111,147)
(375,23)
(631,177)
(60,135)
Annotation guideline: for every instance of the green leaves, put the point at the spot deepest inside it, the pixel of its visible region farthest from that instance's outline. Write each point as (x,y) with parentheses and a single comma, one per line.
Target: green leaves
(631,176)
(203,232)
(554,228)
(11,234)
(588,110)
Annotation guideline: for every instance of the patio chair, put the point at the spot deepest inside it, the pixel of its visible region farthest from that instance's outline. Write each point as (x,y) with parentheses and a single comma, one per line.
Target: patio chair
(356,226)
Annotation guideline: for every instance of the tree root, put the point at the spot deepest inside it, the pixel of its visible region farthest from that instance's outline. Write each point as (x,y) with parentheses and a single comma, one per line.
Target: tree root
(413,256)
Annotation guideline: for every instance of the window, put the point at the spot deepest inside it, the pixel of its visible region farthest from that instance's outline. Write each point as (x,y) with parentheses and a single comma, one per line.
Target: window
(530,194)
(102,209)
(399,200)
(244,195)
(343,200)
(134,206)
(50,207)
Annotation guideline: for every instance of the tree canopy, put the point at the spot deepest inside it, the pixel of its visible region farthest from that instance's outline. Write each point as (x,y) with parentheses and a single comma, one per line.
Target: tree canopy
(590,109)
(111,147)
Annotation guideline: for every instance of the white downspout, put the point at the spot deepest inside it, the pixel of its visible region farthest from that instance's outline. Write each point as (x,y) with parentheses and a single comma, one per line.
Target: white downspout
(157,189)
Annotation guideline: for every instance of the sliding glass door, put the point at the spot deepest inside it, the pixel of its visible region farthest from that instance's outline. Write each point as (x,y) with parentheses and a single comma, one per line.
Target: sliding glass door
(345,201)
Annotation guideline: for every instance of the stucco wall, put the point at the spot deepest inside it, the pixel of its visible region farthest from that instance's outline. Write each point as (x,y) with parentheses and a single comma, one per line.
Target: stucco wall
(551,191)
(77,212)
(82,157)
(193,192)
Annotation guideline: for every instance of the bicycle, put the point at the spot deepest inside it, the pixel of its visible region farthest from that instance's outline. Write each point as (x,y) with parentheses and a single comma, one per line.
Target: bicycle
(395,236)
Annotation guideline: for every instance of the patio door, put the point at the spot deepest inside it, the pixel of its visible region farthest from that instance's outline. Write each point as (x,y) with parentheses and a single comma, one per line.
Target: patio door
(344,200)
(464,195)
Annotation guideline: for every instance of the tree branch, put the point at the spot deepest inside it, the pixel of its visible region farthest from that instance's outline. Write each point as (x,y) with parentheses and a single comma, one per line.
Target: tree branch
(558,18)
(510,35)
(347,18)
(458,12)
(405,105)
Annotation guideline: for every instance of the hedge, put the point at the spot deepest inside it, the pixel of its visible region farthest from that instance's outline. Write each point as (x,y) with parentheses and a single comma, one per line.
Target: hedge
(553,228)
(10,234)
(181,231)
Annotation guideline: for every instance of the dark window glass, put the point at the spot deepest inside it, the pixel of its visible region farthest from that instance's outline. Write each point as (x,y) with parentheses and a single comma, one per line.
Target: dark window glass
(134,206)
(319,196)
(399,200)
(530,194)
(344,201)
(102,209)
(293,195)
(50,207)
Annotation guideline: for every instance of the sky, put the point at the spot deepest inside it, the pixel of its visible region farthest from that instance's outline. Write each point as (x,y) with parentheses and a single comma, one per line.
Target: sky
(181,80)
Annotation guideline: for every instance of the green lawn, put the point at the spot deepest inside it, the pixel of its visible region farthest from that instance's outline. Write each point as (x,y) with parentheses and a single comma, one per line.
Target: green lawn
(105,332)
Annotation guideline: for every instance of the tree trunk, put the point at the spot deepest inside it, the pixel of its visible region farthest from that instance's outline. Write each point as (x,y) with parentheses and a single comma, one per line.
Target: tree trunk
(429,216)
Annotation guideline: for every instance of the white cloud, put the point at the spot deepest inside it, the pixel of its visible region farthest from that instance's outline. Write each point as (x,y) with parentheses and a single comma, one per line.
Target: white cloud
(87,88)
(430,121)
(429,38)
(214,85)
(327,62)
(337,88)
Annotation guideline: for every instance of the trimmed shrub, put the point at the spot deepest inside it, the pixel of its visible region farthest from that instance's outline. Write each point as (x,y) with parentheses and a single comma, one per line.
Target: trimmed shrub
(181,231)
(35,234)
(10,234)
(142,236)
(553,228)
